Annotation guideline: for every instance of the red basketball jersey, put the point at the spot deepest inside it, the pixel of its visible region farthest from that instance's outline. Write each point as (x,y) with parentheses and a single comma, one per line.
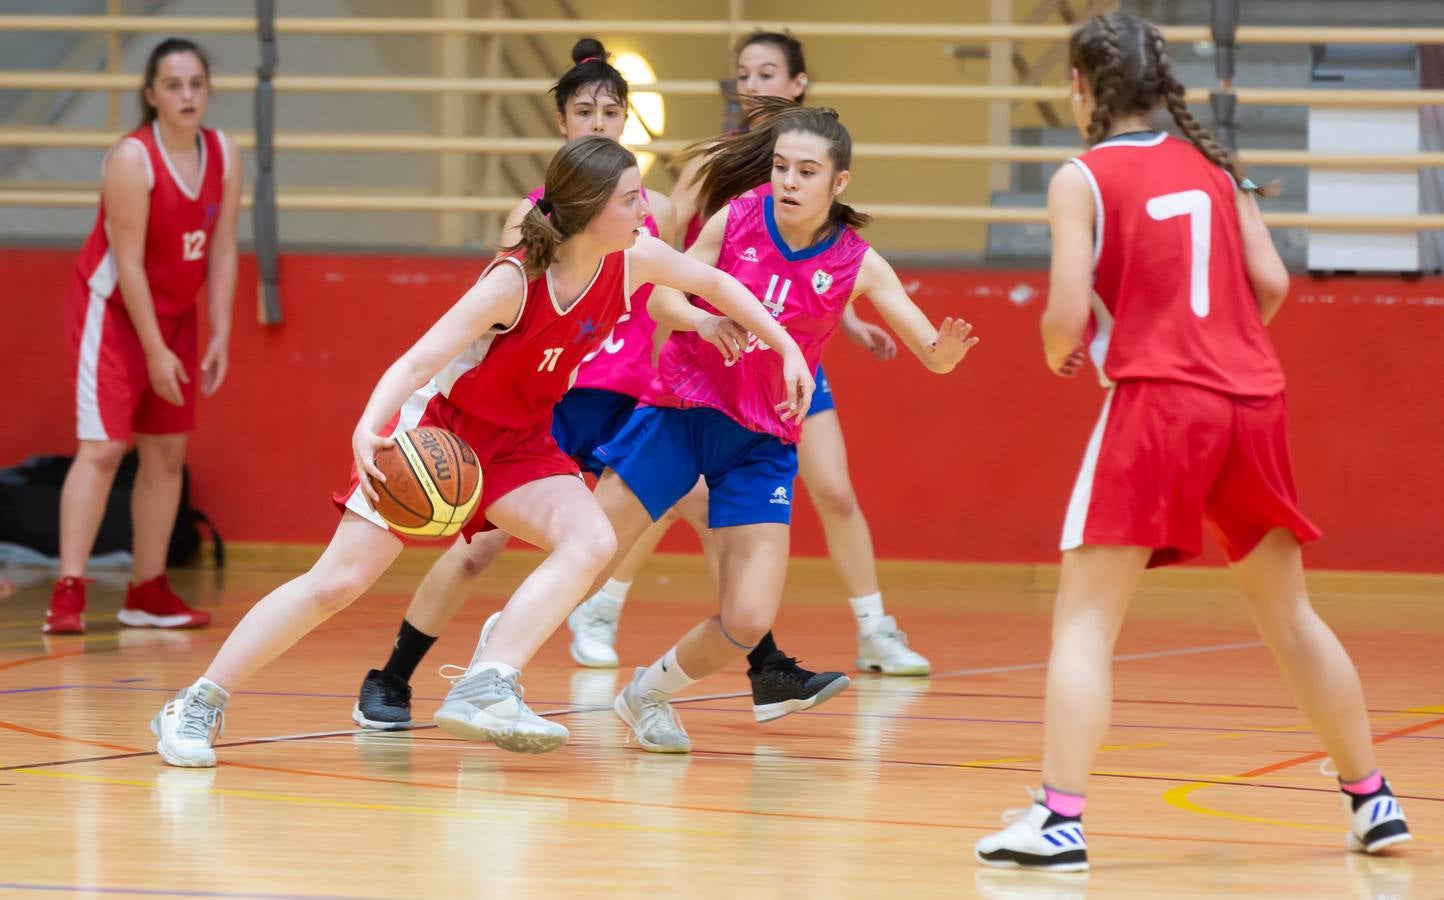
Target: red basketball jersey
(513,376)
(1173,300)
(178,227)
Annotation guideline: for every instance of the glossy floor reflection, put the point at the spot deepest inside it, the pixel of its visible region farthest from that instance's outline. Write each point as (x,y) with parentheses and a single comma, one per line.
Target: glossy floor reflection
(1209,784)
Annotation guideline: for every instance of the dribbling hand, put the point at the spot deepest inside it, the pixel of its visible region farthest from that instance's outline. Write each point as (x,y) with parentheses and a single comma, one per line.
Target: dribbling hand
(365,444)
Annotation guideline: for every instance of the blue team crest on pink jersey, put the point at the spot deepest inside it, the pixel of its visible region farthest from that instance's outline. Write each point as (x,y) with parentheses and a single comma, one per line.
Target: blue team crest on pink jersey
(821,281)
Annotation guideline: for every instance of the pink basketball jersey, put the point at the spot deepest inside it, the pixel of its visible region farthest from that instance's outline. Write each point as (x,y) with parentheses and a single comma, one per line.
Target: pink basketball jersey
(513,376)
(623,361)
(805,290)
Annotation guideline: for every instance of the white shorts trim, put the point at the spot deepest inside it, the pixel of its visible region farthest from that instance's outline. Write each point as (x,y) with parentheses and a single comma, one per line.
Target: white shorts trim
(1076,519)
(89,426)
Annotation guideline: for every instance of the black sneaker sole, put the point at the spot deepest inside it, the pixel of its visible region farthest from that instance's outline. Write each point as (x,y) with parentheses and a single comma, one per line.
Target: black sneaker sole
(1066,861)
(767,712)
(376,724)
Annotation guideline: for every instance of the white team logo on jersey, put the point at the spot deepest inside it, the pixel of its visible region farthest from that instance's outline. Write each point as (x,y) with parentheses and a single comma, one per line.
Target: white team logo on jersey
(821,281)
(779,497)
(749,255)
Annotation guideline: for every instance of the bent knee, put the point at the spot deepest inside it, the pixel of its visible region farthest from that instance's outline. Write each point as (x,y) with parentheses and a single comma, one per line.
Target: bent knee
(105,455)
(835,500)
(746,627)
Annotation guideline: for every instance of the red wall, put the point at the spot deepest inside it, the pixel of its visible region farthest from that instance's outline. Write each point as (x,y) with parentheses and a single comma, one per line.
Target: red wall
(974,466)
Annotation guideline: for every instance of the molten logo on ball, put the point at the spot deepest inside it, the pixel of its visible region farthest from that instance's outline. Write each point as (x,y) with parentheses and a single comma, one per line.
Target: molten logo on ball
(433,483)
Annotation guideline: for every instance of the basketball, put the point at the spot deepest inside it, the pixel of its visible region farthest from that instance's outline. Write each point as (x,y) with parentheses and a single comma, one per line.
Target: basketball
(432,483)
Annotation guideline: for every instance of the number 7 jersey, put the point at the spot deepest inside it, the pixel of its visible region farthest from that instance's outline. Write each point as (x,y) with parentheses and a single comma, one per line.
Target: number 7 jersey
(1172,300)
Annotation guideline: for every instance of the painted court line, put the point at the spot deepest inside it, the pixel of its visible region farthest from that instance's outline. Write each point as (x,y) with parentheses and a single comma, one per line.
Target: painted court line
(1127,657)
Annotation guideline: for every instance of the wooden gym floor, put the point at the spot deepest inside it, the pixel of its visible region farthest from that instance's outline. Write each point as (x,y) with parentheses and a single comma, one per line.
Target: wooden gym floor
(1209,784)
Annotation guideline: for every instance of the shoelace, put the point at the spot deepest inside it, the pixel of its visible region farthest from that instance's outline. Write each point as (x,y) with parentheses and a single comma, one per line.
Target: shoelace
(657,712)
(1012,815)
(457,674)
(197,719)
(597,627)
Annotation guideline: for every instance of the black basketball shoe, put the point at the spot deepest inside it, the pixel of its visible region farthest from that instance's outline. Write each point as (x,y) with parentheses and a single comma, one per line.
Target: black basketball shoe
(780,686)
(385,702)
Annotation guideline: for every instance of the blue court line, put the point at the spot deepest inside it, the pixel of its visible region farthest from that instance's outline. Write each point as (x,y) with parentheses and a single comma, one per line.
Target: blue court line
(157,892)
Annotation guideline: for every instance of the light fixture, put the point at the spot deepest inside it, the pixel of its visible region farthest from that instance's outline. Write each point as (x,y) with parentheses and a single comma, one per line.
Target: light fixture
(647,116)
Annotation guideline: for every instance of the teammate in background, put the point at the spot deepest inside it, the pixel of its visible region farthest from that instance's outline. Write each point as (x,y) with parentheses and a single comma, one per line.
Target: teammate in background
(169,196)
(591,98)
(491,370)
(1163,238)
(795,246)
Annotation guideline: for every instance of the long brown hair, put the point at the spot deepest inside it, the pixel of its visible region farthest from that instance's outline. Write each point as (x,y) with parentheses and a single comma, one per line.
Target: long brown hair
(152,69)
(580,180)
(1125,60)
(734,164)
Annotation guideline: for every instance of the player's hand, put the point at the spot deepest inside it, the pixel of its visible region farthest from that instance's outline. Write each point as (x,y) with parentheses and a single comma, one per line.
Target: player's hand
(952,343)
(365,444)
(727,336)
(213,367)
(874,338)
(1071,363)
(797,378)
(167,374)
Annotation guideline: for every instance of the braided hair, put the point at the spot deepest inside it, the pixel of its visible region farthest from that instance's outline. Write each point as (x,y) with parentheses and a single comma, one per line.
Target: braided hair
(1126,62)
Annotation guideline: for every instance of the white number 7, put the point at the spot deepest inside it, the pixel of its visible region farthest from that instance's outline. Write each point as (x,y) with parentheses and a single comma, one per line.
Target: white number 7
(1196,205)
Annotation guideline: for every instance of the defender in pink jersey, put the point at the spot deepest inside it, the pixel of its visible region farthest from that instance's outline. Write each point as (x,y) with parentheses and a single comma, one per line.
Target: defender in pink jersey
(798,249)
(170,196)
(772,64)
(490,369)
(1168,238)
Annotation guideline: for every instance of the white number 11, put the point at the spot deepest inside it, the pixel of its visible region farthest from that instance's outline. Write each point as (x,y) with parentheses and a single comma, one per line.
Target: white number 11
(1199,209)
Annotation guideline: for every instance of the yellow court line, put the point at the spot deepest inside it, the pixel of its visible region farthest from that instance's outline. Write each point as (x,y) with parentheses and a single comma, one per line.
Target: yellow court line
(1179,797)
(378,807)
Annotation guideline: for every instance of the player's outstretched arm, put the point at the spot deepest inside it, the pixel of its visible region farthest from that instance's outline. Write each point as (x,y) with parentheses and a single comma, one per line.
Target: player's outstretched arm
(941,348)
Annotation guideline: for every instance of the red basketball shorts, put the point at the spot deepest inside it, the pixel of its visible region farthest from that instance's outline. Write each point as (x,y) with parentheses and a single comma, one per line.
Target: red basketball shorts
(113,397)
(509,457)
(1166,458)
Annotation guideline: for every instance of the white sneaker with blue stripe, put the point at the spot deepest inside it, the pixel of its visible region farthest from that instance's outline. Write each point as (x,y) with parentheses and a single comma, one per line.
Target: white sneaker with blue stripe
(1376,821)
(1038,838)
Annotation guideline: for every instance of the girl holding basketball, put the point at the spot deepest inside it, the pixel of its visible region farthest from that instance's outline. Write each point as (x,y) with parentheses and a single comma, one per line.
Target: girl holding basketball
(490,371)
(1164,239)
(770,64)
(797,247)
(169,197)
(591,98)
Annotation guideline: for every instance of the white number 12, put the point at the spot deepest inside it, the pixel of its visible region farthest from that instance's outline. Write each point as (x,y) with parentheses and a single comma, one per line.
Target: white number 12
(1199,209)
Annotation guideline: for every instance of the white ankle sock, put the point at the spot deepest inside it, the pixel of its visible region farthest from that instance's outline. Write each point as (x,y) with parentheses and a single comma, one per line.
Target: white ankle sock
(665,675)
(617,590)
(868,611)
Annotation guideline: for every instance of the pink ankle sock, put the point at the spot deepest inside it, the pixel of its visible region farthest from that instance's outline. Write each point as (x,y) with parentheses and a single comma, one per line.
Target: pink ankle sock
(1363,787)
(1062,803)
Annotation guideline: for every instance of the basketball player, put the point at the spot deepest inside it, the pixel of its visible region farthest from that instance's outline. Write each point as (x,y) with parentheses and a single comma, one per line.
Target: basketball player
(169,196)
(1163,238)
(770,64)
(797,247)
(490,370)
(591,98)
